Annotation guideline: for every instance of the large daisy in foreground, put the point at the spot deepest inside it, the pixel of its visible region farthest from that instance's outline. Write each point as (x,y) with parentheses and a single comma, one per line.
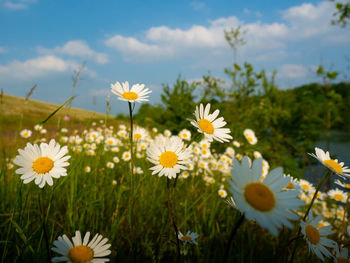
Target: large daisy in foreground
(331,164)
(169,155)
(315,239)
(263,201)
(81,250)
(210,125)
(137,93)
(42,163)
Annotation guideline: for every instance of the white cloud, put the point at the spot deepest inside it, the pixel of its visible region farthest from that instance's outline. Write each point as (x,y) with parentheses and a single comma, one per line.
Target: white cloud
(3,50)
(77,48)
(38,67)
(293,71)
(306,22)
(18,4)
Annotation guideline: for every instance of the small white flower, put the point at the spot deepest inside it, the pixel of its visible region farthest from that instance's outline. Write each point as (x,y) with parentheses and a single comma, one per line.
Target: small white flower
(137,93)
(189,238)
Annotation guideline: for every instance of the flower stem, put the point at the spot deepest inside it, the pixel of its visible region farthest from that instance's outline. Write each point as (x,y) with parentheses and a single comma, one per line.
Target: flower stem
(131,148)
(172,216)
(308,210)
(233,233)
(43,211)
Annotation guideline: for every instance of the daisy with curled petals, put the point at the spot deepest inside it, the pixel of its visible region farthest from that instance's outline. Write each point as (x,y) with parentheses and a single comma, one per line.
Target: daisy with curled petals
(42,163)
(315,239)
(81,250)
(210,125)
(263,201)
(169,156)
(137,92)
(332,164)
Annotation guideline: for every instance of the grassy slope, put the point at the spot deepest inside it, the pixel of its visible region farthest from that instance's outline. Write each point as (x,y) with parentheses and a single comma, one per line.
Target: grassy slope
(16,114)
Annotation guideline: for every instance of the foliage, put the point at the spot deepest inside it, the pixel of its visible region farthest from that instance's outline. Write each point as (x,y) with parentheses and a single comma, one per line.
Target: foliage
(342,14)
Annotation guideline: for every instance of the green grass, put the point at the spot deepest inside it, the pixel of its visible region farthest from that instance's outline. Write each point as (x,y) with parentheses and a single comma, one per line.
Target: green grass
(138,226)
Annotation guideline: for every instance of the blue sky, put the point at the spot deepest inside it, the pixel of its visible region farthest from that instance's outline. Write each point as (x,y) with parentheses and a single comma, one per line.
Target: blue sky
(152,42)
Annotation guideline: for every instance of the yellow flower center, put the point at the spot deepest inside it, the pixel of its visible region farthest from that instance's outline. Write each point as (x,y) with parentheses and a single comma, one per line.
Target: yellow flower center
(168,159)
(110,142)
(184,135)
(186,238)
(130,95)
(137,136)
(206,126)
(25,134)
(80,254)
(312,234)
(290,185)
(259,196)
(42,165)
(250,139)
(305,187)
(336,167)
(343,260)
(338,197)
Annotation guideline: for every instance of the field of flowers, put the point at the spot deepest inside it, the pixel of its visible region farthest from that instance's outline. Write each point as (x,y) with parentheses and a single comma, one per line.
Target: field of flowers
(125,193)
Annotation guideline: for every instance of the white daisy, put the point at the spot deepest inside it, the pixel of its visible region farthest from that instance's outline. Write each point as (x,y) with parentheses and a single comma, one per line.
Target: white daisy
(306,186)
(87,169)
(126,156)
(110,165)
(25,133)
(137,92)
(342,255)
(236,144)
(185,134)
(314,237)
(140,134)
(42,163)
(81,250)
(210,126)
(250,136)
(167,133)
(222,193)
(344,185)
(169,156)
(189,238)
(331,164)
(264,201)
(338,195)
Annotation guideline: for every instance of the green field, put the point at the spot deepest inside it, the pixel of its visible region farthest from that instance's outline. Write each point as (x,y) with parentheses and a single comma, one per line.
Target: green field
(135,212)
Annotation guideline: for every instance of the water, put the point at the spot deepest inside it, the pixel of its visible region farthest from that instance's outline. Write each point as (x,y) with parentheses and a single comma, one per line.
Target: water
(339,149)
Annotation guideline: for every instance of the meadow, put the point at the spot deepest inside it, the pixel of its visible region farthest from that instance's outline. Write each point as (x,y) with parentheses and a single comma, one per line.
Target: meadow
(142,214)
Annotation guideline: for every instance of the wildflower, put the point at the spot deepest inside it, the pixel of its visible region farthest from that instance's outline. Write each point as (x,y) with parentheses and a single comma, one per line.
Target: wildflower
(42,163)
(114,182)
(210,126)
(250,136)
(116,159)
(169,156)
(257,154)
(205,144)
(263,201)
(315,239)
(139,134)
(37,127)
(9,166)
(115,149)
(87,169)
(236,144)
(344,185)
(332,164)
(64,130)
(189,238)
(122,127)
(81,250)
(111,141)
(43,131)
(126,156)
(185,134)
(306,186)
(110,165)
(26,133)
(137,92)
(167,133)
(222,193)
(338,195)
